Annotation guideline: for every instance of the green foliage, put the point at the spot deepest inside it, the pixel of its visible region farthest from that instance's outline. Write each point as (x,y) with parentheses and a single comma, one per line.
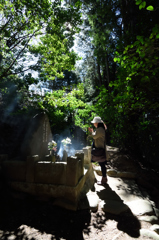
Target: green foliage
(54,56)
(142,4)
(66,104)
(120,70)
(103,26)
(42,27)
(134,96)
(150,8)
(130,104)
(35,36)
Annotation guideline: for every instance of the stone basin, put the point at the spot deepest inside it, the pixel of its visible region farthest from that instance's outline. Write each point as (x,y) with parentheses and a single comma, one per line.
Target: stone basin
(63,182)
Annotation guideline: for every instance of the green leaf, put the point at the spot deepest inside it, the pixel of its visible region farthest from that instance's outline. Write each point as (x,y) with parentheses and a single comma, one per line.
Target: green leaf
(142,5)
(138,2)
(1,7)
(150,8)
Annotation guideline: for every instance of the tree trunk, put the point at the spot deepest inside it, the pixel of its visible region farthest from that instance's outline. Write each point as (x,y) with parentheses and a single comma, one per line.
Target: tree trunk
(107,71)
(99,75)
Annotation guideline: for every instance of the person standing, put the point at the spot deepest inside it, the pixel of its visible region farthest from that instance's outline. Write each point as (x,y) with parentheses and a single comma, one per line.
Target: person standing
(99,144)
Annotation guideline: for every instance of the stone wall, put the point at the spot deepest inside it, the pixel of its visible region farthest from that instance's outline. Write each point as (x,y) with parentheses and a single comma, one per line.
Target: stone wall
(66,181)
(23,136)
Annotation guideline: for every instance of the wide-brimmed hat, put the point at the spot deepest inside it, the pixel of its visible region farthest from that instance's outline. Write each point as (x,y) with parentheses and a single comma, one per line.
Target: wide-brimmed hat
(97,120)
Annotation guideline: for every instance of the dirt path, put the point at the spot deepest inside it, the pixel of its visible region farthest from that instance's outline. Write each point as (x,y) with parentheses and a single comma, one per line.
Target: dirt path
(40,220)
(30,219)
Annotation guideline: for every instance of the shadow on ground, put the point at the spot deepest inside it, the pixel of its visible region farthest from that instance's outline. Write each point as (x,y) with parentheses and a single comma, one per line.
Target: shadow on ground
(30,219)
(126,221)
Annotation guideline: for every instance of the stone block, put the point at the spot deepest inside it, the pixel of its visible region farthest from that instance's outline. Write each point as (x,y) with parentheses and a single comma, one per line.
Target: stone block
(129,175)
(71,193)
(155,228)
(30,167)
(65,155)
(14,170)
(72,171)
(50,190)
(51,173)
(39,189)
(93,200)
(80,169)
(148,234)
(50,158)
(112,173)
(89,178)
(151,219)
(140,207)
(74,193)
(156,211)
(87,154)
(50,181)
(80,157)
(64,203)
(36,137)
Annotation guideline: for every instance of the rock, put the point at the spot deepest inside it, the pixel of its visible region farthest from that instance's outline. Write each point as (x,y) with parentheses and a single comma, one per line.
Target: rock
(112,149)
(151,219)
(143,181)
(114,173)
(97,169)
(156,211)
(155,228)
(93,200)
(126,175)
(99,172)
(149,234)
(111,173)
(116,237)
(126,189)
(140,207)
(114,207)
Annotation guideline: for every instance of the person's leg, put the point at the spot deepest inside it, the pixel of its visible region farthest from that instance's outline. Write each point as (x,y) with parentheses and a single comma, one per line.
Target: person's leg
(103,169)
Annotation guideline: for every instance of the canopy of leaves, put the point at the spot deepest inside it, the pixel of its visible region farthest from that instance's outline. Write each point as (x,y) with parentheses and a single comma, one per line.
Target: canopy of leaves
(120,69)
(124,37)
(67,107)
(43,28)
(35,36)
